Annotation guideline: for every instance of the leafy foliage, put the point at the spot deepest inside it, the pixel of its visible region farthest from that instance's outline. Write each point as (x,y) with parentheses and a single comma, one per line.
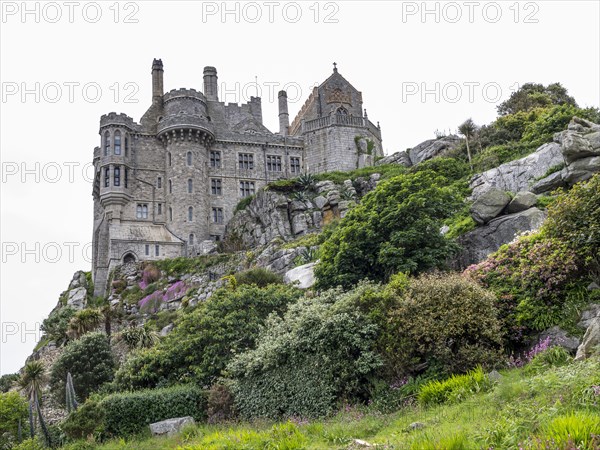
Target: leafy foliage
(204,340)
(90,362)
(176,267)
(395,228)
(440,323)
(56,325)
(138,337)
(319,352)
(531,95)
(454,389)
(87,420)
(13,412)
(7,381)
(258,276)
(84,321)
(130,413)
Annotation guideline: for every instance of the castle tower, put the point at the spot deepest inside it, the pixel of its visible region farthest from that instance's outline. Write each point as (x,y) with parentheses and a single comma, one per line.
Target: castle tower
(186,134)
(211,87)
(284,116)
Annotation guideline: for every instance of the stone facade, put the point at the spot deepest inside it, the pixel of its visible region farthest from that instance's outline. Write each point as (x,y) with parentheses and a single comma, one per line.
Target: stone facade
(168,185)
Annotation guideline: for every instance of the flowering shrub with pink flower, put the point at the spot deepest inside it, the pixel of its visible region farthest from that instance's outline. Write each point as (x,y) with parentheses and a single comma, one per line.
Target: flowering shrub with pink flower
(152,303)
(532,279)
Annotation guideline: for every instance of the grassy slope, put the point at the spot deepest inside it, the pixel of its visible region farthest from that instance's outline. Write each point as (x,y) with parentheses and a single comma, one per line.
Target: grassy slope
(521,406)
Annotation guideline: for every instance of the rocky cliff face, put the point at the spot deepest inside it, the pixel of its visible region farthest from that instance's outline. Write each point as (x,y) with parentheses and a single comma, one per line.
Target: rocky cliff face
(429,149)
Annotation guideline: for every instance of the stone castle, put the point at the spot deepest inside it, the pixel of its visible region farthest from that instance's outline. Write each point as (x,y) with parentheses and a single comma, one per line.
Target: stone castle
(168,185)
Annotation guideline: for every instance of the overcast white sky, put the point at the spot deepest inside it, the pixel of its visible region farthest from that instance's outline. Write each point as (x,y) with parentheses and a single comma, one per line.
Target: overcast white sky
(421,67)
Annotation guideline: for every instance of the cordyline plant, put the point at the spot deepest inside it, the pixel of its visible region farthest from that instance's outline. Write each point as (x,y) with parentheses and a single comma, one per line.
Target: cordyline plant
(70,396)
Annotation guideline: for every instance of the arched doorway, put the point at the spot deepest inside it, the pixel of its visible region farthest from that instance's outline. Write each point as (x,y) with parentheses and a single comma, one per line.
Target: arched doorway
(128,258)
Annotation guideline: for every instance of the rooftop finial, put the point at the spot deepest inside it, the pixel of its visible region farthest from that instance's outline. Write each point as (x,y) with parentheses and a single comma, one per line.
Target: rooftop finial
(335,67)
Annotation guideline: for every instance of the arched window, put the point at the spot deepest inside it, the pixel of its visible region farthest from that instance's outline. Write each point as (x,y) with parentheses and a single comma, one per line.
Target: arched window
(191,239)
(190,186)
(169,159)
(190,214)
(106,177)
(126,177)
(106,143)
(117,179)
(170,214)
(126,145)
(170,187)
(189,158)
(117,142)
(341,110)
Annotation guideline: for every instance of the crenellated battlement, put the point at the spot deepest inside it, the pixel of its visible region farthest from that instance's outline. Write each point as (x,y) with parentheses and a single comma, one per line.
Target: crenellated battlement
(113,118)
(184,93)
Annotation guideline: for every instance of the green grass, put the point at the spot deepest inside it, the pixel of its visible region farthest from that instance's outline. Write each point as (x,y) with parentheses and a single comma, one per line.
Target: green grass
(385,170)
(535,411)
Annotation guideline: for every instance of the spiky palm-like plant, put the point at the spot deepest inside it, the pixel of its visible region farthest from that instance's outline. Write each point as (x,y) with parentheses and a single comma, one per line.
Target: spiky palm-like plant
(32,379)
(71,399)
(85,321)
(468,129)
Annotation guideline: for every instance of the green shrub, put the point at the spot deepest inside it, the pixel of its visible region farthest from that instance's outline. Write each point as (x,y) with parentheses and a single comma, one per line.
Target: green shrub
(319,353)
(31,444)
(13,410)
(533,95)
(56,325)
(90,362)
(285,186)
(87,420)
(460,224)
(394,228)
(7,381)
(551,357)
(204,341)
(130,413)
(440,323)
(258,276)
(220,404)
(176,267)
(243,203)
(579,430)
(454,389)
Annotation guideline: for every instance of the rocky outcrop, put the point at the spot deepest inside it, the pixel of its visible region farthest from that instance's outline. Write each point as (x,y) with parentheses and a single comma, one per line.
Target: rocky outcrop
(558,336)
(590,342)
(521,202)
(489,205)
(482,241)
(275,215)
(301,276)
(170,427)
(580,147)
(425,150)
(519,175)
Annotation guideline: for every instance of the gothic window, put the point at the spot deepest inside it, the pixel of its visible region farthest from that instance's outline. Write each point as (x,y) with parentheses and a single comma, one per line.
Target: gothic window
(190,186)
(106,177)
(126,145)
(169,159)
(295,165)
(191,239)
(117,142)
(246,188)
(216,186)
(215,160)
(273,163)
(170,186)
(341,110)
(142,211)
(246,161)
(160,209)
(170,214)
(126,177)
(117,175)
(159,182)
(217,215)
(189,158)
(106,143)
(190,214)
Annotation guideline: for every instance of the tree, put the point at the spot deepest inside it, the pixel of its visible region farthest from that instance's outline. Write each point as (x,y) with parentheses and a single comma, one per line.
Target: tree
(90,362)
(13,414)
(468,129)
(32,379)
(395,228)
(531,95)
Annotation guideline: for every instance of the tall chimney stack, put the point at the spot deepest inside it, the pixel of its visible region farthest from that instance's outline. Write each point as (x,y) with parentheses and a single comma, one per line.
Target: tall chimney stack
(284,117)
(211,88)
(157,79)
